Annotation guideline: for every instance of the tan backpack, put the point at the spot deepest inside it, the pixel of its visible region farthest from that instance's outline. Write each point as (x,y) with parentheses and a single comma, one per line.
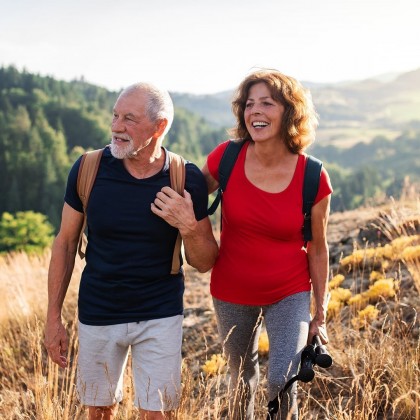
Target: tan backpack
(86,178)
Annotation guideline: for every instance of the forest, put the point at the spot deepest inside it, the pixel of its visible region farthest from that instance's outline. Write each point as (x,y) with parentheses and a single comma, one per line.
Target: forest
(45,124)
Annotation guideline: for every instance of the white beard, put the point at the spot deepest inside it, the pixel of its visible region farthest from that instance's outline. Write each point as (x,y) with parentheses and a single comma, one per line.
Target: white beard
(122,151)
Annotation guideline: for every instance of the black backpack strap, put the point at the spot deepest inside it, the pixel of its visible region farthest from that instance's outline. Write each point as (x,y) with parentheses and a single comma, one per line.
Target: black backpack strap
(226,165)
(310,190)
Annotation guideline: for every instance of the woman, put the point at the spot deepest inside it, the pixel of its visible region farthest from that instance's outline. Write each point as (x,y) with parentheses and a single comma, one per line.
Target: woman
(263,270)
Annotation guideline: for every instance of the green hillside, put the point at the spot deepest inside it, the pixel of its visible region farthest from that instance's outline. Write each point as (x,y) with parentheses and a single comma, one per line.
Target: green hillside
(45,124)
(371,171)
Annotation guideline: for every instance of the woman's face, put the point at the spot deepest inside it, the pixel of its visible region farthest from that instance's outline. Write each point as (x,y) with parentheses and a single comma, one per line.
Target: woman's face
(263,115)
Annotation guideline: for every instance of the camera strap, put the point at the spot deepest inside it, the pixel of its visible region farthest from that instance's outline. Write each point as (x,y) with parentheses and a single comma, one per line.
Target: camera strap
(274,404)
(313,354)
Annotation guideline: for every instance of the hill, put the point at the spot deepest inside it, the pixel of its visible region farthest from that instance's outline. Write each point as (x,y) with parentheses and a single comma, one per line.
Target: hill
(45,124)
(215,109)
(349,112)
(360,111)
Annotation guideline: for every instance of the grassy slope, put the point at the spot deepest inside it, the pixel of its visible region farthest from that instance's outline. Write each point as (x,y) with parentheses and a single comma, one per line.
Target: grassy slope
(375,372)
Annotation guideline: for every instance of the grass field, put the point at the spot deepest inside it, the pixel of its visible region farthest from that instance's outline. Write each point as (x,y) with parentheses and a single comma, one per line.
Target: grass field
(373,326)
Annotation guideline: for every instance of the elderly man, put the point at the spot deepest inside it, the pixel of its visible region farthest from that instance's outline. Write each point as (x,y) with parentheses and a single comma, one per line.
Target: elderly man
(128,298)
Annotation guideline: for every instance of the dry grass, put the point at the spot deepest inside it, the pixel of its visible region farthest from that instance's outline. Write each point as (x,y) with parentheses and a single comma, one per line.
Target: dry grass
(375,374)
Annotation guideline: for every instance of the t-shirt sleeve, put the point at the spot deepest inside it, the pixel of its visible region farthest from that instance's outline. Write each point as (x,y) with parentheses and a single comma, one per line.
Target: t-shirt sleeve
(195,184)
(213,159)
(325,187)
(71,197)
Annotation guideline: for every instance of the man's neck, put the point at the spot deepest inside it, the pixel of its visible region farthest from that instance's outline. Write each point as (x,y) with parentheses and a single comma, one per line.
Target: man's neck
(146,163)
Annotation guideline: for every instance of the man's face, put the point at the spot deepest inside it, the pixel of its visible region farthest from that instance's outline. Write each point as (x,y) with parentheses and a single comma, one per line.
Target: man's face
(131,126)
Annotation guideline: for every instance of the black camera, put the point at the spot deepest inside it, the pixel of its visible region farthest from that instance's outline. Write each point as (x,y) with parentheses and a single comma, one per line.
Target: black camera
(313,354)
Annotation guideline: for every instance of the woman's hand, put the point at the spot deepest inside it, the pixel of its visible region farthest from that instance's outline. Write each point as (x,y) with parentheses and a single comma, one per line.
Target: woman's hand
(318,327)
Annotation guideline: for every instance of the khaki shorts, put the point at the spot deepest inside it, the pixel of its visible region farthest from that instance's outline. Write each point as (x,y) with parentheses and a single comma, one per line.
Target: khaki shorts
(156,363)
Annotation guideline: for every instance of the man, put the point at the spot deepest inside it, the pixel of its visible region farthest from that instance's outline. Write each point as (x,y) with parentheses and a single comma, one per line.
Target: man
(128,299)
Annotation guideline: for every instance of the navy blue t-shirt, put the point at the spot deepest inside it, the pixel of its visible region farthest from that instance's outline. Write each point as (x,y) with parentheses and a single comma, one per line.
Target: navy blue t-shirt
(129,253)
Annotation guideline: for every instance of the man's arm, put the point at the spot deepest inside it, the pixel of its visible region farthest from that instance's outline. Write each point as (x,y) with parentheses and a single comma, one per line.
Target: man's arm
(200,245)
(59,274)
(318,256)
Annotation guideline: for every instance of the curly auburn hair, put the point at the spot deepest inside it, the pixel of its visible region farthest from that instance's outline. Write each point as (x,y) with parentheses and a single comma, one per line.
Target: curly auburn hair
(299,118)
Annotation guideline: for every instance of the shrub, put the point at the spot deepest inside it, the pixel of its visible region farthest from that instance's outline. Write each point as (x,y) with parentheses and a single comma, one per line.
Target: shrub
(25,231)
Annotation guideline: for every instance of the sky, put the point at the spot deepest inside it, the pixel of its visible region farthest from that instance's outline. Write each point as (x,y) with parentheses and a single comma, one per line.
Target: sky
(204,47)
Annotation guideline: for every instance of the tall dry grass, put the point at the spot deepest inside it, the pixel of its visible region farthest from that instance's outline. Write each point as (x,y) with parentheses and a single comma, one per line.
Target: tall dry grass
(375,374)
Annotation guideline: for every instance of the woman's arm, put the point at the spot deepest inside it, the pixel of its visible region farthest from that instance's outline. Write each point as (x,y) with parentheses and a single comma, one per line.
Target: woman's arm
(318,256)
(212,184)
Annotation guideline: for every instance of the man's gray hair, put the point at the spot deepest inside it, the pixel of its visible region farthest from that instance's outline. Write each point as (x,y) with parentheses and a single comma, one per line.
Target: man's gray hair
(160,105)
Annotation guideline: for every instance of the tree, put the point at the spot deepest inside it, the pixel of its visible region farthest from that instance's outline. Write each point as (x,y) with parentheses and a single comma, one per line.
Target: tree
(25,231)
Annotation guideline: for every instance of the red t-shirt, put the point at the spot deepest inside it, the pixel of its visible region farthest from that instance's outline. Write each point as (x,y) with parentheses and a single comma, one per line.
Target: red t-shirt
(261,259)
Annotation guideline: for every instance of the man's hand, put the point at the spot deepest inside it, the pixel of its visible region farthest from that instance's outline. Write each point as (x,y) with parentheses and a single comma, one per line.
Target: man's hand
(56,342)
(176,210)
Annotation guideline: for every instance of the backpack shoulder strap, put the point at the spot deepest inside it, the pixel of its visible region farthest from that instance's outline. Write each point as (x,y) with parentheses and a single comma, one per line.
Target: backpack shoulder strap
(85,179)
(177,176)
(310,190)
(177,172)
(227,162)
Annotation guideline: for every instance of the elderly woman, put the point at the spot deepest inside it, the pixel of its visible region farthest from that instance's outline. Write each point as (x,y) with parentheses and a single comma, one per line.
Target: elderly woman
(264,270)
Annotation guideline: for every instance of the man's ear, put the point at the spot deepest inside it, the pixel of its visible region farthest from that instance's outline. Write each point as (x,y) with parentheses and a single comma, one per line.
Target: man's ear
(160,127)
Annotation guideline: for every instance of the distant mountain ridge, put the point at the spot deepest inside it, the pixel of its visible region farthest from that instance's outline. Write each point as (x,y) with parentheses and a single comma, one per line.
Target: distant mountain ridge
(387,102)
(214,108)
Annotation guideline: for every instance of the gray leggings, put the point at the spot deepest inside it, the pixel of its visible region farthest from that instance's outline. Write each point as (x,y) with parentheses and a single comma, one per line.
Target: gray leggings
(287,324)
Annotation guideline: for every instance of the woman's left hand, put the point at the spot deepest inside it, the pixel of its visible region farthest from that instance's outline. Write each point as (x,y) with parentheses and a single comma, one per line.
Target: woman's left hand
(319,328)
